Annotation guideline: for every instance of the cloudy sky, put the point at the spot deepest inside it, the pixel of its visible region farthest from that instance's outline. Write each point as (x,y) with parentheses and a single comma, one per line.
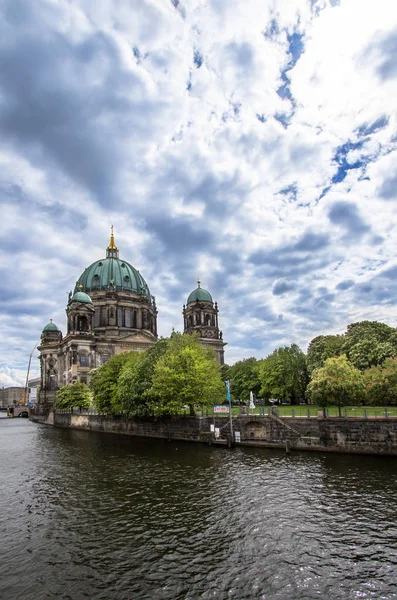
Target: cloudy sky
(250,143)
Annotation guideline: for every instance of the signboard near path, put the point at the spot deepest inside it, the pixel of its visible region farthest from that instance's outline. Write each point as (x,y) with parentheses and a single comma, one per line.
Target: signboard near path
(221,409)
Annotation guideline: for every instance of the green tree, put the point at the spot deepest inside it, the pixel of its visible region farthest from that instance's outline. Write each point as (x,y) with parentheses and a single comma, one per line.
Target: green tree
(381,383)
(76,394)
(369,343)
(244,378)
(186,374)
(321,348)
(337,383)
(135,381)
(283,374)
(104,382)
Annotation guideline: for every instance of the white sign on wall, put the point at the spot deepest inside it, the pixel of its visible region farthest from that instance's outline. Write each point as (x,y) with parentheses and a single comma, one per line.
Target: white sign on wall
(221,409)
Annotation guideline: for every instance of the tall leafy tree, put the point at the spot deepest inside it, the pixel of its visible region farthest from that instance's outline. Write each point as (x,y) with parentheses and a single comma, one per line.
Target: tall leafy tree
(321,348)
(186,374)
(104,382)
(337,383)
(76,394)
(381,383)
(244,378)
(283,374)
(135,380)
(369,343)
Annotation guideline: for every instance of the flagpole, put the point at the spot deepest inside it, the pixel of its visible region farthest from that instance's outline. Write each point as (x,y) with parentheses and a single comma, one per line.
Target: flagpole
(230,408)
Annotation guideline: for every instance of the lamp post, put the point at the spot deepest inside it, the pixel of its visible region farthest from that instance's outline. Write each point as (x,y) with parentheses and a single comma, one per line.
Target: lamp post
(27,375)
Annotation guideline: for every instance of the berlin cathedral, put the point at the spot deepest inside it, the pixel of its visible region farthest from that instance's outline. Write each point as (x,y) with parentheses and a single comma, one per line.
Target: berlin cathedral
(111,311)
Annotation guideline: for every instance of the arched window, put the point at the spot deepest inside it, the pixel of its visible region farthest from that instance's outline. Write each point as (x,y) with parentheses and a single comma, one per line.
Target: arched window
(96,318)
(84,360)
(127,317)
(83,323)
(208,319)
(120,317)
(104,315)
(105,357)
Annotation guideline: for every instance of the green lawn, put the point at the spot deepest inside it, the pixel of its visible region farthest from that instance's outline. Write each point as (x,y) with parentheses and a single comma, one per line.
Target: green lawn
(311,410)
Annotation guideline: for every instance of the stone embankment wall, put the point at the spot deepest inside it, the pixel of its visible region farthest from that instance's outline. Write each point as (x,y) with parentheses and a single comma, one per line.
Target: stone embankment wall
(353,435)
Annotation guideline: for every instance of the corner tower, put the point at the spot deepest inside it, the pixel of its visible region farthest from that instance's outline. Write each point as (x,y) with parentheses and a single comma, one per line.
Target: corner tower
(200,315)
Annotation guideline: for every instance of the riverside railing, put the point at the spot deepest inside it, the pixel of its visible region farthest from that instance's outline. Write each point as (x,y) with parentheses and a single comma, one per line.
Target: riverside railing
(302,412)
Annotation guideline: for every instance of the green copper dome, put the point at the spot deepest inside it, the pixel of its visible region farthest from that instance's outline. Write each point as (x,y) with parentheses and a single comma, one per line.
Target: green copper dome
(199,294)
(81,297)
(111,273)
(50,327)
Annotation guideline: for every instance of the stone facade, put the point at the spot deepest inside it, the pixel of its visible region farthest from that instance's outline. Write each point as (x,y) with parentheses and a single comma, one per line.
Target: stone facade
(11,396)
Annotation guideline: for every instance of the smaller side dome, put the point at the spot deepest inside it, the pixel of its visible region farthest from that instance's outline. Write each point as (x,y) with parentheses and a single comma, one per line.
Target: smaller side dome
(81,297)
(50,327)
(199,294)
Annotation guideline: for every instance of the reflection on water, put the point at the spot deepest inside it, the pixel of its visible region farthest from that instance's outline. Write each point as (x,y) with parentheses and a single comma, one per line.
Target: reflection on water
(87,515)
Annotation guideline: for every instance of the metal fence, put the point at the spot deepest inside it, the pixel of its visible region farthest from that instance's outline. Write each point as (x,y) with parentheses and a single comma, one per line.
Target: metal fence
(304,412)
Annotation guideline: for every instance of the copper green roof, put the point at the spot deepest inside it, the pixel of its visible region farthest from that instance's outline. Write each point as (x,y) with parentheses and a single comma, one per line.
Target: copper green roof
(112,273)
(51,327)
(81,297)
(199,294)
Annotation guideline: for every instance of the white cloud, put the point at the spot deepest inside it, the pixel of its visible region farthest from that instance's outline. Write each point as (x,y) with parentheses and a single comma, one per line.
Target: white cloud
(115,121)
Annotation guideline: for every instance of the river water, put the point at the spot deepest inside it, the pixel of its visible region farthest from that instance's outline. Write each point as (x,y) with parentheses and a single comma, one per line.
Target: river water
(88,515)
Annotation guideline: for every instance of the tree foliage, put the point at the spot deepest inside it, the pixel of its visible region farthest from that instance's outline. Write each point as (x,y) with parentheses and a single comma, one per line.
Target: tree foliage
(369,343)
(135,381)
(77,394)
(185,374)
(244,378)
(337,383)
(104,382)
(381,383)
(321,348)
(283,374)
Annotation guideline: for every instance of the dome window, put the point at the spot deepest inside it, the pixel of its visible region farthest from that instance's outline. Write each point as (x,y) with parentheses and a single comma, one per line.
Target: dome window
(96,276)
(123,265)
(100,264)
(126,278)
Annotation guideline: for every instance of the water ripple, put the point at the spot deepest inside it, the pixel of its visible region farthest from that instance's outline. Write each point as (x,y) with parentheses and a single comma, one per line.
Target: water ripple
(106,517)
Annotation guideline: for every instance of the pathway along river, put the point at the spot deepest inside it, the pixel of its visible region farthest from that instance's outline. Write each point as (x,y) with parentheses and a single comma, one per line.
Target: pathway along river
(88,515)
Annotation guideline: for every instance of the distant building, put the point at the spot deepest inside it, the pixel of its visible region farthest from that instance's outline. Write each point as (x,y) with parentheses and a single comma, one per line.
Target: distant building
(111,311)
(11,396)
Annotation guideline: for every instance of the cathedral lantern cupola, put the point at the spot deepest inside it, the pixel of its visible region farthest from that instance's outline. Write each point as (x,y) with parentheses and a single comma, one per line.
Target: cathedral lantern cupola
(80,312)
(200,316)
(51,333)
(112,251)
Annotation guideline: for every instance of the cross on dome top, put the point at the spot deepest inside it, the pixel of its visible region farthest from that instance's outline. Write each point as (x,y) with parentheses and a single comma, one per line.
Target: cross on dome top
(112,251)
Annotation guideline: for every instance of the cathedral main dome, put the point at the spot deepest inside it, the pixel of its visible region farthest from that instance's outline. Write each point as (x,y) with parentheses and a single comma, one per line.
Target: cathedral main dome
(112,273)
